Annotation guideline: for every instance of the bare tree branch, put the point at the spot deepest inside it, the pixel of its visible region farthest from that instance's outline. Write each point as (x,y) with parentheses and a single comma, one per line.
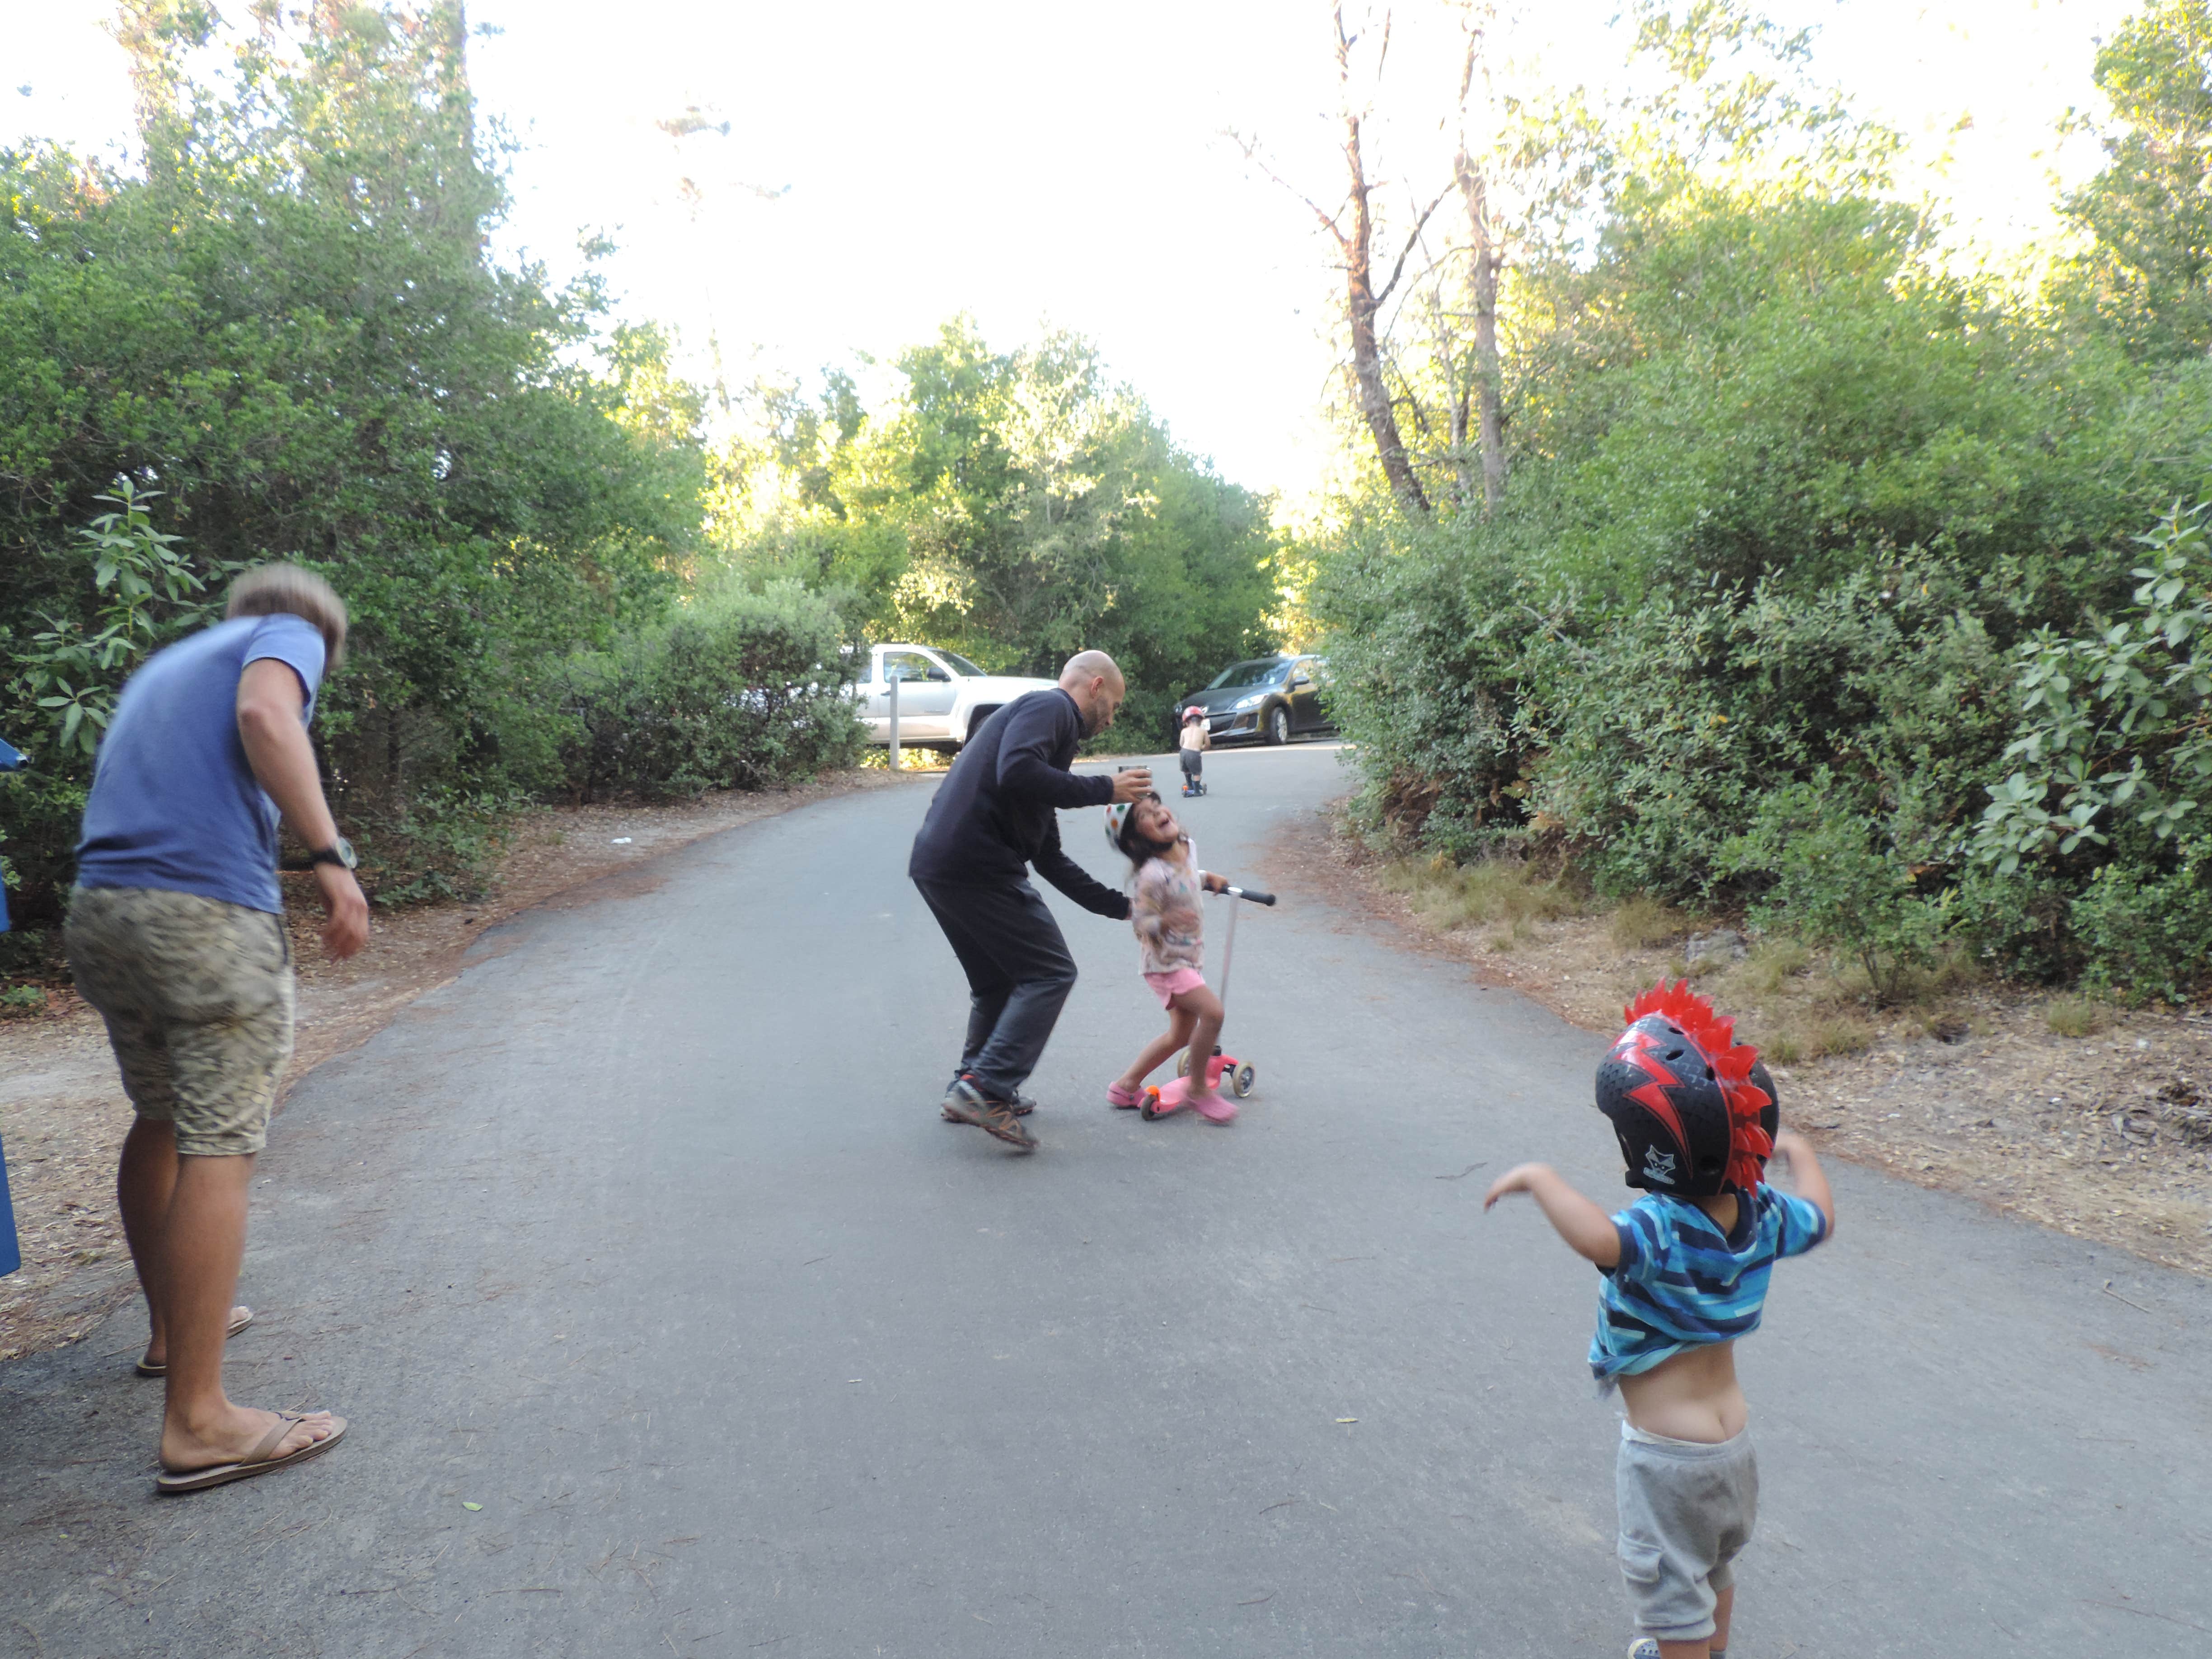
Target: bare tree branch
(1253,155)
(1411,241)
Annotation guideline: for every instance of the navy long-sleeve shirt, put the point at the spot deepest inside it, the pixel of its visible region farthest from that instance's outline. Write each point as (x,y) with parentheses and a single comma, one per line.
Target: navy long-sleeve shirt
(996,815)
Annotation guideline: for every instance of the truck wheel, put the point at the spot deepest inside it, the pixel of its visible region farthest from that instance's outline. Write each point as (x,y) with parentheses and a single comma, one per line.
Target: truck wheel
(1278,726)
(976,718)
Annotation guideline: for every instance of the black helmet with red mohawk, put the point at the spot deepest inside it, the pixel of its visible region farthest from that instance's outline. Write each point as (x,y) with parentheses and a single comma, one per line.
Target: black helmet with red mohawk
(1693,1108)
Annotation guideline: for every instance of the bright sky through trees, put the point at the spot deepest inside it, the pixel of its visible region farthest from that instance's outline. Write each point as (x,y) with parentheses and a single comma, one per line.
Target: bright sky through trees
(887,164)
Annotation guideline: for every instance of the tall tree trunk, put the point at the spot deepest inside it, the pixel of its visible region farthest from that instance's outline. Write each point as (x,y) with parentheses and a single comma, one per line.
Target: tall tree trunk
(1461,399)
(1484,259)
(1362,303)
(1363,299)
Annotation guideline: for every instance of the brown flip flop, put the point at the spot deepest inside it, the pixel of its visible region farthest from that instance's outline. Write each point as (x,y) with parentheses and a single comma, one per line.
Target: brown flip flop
(257,1461)
(239,1319)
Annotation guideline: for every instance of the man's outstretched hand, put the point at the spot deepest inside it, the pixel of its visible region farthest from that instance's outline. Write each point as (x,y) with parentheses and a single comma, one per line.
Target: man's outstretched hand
(1133,784)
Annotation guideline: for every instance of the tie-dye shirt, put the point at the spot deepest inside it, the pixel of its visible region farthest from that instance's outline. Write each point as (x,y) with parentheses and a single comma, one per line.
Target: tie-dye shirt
(1164,910)
(1681,1282)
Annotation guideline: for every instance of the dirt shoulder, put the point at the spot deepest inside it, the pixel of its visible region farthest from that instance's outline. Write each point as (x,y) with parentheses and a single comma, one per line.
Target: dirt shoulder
(2102,1136)
(63,1114)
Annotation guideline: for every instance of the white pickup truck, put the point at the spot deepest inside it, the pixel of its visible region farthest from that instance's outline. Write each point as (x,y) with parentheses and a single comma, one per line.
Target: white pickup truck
(943,697)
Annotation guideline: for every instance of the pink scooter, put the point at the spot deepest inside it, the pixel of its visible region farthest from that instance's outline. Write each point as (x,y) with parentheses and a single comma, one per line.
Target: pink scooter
(1160,1099)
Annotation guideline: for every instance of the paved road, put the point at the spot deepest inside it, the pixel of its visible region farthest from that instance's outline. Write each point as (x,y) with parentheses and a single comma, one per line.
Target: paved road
(645,1237)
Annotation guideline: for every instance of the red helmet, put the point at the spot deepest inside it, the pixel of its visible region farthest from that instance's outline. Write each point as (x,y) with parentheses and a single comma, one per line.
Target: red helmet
(1694,1110)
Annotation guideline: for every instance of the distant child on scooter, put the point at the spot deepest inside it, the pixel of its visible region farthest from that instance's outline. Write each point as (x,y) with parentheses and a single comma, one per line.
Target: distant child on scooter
(1164,909)
(1685,1271)
(1194,743)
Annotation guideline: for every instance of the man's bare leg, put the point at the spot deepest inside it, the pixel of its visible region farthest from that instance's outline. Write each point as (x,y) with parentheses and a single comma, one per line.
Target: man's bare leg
(144,1184)
(194,1270)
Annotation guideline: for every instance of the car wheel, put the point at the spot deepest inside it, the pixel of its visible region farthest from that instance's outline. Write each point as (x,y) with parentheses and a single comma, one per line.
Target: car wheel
(1278,724)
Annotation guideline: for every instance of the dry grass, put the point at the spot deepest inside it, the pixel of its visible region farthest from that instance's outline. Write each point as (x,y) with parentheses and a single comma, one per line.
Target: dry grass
(1448,896)
(1644,923)
(1771,967)
(1801,1037)
(2076,1017)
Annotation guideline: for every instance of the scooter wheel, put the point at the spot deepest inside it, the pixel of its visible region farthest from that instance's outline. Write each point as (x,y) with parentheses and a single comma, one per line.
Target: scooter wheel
(1183,1064)
(1241,1083)
(1150,1111)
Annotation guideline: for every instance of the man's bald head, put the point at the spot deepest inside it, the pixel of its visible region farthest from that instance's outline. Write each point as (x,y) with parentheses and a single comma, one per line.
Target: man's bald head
(1096,683)
(1087,665)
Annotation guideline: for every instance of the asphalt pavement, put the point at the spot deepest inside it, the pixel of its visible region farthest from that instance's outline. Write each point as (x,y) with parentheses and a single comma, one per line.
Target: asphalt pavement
(671,1318)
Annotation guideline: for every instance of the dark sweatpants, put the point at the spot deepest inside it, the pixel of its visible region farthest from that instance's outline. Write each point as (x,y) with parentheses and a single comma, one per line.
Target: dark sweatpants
(1019,974)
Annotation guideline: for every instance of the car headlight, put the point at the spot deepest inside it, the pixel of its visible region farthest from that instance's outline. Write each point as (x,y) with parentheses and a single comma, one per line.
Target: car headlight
(1252,702)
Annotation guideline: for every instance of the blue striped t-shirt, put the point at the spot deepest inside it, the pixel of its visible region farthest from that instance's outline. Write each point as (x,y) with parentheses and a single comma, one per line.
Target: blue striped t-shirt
(1681,1282)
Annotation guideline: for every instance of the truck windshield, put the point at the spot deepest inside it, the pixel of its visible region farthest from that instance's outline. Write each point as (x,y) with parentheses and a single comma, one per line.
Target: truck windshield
(960,664)
(1264,671)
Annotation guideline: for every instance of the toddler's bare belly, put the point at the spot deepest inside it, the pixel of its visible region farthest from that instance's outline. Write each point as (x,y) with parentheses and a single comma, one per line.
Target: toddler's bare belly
(1691,1395)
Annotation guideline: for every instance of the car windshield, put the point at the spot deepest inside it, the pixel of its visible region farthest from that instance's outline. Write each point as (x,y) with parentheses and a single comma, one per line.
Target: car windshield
(961,664)
(1262,670)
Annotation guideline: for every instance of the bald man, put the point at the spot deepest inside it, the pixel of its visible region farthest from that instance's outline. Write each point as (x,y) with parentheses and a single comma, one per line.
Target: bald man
(994,818)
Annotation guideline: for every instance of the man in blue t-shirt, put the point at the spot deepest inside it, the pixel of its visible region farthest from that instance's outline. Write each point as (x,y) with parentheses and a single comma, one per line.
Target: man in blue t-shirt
(176,935)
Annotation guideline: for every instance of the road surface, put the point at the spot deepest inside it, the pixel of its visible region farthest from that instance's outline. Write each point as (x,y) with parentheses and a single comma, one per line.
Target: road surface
(670,1318)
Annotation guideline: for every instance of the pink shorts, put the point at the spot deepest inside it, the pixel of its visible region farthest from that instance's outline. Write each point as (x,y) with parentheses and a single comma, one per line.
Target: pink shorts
(1167,987)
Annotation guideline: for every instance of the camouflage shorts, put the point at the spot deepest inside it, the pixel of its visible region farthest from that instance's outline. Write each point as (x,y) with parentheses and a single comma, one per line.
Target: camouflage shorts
(197,997)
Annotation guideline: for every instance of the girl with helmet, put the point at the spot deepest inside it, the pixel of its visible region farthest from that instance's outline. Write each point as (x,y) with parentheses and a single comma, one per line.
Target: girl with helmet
(1685,1270)
(1164,909)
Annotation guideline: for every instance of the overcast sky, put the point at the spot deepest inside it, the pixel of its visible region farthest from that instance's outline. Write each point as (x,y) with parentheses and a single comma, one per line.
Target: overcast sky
(1031,162)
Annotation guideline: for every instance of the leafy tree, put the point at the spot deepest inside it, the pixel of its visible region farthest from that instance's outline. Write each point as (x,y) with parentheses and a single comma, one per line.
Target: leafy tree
(1014,507)
(286,340)
(2149,275)
(1793,509)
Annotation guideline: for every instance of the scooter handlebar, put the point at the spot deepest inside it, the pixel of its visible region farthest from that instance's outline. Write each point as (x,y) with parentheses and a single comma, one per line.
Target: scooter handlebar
(1253,894)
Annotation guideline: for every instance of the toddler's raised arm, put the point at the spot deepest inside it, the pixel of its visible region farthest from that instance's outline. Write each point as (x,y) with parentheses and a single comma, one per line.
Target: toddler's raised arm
(1805,1171)
(1588,1230)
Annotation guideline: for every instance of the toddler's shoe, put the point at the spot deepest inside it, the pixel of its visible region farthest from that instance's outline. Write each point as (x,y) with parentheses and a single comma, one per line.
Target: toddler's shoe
(1128,1099)
(1644,1647)
(1215,1109)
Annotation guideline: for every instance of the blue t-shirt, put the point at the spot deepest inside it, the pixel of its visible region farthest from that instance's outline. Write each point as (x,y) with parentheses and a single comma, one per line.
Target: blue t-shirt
(1682,1282)
(174,804)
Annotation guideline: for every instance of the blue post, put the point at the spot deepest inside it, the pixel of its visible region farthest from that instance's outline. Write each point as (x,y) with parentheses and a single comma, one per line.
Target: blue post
(11,1252)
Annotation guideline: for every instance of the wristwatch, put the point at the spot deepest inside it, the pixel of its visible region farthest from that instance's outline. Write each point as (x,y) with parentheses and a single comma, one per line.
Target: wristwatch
(339,852)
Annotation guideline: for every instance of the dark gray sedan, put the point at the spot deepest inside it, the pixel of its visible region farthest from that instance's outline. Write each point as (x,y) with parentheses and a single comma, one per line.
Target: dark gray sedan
(1272,699)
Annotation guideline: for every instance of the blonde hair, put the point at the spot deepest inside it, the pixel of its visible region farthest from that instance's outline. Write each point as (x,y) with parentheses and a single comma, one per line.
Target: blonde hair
(285,590)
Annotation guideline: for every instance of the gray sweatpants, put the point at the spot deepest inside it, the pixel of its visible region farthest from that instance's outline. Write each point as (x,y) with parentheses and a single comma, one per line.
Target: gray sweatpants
(1686,1509)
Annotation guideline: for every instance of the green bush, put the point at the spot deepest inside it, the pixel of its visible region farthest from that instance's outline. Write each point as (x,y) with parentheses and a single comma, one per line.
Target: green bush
(2146,934)
(2019,925)
(1836,884)
(1796,517)
(741,689)
(288,316)
(441,845)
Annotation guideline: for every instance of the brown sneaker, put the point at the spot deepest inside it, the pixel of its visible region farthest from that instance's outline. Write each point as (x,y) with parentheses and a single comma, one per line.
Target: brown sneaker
(964,1103)
(1021,1105)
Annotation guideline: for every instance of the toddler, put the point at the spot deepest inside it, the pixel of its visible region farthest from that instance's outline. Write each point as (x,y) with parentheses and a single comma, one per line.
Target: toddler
(1685,1273)
(1163,909)
(1192,745)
